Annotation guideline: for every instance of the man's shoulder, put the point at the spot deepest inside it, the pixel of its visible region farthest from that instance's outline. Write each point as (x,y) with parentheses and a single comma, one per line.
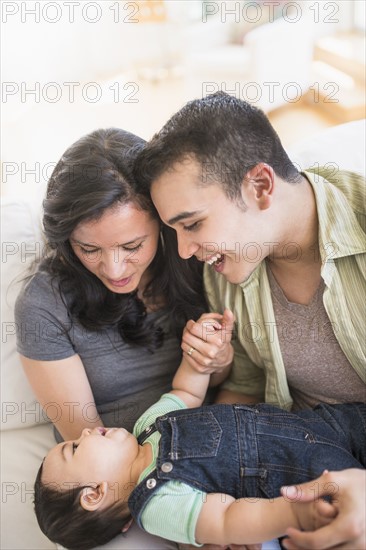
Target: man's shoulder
(351,184)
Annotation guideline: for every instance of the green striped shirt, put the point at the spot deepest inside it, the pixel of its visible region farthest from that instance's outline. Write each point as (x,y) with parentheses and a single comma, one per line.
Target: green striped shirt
(258,367)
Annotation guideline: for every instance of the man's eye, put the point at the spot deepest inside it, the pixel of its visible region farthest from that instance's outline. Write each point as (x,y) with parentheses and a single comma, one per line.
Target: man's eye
(192,227)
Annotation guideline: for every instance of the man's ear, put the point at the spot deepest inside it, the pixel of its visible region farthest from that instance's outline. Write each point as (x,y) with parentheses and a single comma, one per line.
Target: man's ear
(92,498)
(258,184)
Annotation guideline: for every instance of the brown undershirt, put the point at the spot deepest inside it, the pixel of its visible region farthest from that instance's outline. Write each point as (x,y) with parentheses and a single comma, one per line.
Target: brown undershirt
(316,368)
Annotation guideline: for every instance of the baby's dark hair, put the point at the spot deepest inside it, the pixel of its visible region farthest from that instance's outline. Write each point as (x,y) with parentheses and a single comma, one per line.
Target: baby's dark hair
(64,521)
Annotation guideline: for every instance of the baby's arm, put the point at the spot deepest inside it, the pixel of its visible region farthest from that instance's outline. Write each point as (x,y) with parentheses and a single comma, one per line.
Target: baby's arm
(224,520)
(192,380)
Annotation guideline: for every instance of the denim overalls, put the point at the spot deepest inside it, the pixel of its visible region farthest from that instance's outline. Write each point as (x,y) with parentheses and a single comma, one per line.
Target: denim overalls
(251,451)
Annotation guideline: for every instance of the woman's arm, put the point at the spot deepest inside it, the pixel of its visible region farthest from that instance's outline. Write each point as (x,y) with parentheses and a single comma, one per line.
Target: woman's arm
(63,390)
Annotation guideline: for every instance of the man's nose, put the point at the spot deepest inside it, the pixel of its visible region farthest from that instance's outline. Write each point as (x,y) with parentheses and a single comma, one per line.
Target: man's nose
(186,247)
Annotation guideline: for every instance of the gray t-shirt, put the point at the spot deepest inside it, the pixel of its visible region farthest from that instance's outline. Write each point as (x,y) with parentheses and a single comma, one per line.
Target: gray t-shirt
(125,378)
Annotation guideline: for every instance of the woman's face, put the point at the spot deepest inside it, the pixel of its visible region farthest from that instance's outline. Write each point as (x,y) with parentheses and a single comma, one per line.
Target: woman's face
(118,247)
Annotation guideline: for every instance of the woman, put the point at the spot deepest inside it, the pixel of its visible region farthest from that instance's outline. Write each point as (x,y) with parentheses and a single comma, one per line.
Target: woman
(101,320)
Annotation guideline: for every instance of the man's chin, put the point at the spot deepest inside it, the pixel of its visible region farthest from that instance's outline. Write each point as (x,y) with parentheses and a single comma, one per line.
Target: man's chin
(238,278)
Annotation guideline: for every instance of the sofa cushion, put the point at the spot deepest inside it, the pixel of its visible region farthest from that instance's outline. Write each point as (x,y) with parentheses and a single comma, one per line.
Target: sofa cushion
(22,243)
(340,147)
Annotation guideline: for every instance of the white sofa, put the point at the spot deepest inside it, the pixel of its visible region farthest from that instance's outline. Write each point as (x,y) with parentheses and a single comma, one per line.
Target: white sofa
(263,69)
(26,435)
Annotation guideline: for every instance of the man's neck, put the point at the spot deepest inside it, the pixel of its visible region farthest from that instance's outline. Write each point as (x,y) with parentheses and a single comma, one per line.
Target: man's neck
(296,262)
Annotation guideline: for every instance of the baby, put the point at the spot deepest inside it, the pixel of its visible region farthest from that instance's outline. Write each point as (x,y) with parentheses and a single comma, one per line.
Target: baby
(197,475)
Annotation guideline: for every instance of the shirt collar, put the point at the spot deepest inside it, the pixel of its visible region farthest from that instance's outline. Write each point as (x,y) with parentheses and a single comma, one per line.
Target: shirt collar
(340,233)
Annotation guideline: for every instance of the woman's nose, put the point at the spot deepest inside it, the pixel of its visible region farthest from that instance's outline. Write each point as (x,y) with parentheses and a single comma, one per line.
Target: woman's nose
(114,265)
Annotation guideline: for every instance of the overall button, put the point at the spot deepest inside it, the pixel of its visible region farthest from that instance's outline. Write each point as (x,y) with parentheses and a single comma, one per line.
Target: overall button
(150,483)
(167,467)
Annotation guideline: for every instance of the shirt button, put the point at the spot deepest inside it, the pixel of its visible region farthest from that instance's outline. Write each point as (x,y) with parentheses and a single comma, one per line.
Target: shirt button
(167,467)
(150,483)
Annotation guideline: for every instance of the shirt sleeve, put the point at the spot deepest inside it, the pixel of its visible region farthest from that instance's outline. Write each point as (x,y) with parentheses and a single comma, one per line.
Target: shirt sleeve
(173,512)
(167,403)
(43,327)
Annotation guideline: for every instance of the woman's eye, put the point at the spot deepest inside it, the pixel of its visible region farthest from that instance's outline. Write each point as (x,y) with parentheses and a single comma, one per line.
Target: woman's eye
(132,249)
(192,227)
(85,251)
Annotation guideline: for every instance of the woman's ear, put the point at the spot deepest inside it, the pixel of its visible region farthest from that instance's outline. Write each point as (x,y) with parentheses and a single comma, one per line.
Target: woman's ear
(127,526)
(92,498)
(259,184)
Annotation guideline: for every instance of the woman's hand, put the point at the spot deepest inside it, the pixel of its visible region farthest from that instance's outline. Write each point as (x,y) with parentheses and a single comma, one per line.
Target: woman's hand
(347,530)
(206,343)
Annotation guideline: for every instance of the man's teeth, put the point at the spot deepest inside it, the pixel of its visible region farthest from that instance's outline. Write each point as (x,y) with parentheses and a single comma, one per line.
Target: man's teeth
(214,259)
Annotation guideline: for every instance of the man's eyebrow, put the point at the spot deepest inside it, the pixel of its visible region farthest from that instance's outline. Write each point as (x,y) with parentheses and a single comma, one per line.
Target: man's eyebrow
(183,216)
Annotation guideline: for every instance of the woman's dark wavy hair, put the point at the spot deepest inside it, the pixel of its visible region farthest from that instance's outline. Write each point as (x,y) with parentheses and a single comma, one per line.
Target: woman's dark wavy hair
(94,175)
(64,521)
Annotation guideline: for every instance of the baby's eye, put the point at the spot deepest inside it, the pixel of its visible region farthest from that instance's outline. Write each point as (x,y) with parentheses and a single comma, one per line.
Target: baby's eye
(192,227)
(74,447)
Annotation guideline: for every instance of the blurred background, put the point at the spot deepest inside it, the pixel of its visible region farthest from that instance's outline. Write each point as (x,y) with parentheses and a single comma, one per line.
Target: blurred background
(69,67)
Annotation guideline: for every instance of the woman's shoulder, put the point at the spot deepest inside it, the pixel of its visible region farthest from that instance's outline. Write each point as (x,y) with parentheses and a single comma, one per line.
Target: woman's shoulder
(41,282)
(39,290)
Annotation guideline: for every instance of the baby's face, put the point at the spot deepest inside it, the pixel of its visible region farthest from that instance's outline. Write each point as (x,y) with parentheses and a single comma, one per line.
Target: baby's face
(100,454)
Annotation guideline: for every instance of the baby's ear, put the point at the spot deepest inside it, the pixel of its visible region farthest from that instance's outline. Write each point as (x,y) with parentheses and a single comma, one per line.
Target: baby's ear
(91,498)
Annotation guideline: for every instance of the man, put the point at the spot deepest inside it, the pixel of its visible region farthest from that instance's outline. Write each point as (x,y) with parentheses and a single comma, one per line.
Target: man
(285,251)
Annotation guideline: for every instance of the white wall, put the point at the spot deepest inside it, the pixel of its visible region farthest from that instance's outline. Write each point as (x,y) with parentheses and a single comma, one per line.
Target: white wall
(37,52)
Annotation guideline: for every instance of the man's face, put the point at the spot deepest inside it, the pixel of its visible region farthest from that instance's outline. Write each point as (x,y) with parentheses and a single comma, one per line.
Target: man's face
(209,225)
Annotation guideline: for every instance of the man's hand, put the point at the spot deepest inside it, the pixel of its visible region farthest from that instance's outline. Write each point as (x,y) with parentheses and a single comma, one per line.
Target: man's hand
(347,531)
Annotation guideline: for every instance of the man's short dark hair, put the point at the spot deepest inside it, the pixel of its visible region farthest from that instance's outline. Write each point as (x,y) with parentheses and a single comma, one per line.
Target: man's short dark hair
(226,135)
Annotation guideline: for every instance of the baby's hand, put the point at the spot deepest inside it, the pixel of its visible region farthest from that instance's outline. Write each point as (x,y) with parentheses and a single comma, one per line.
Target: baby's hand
(206,342)
(313,515)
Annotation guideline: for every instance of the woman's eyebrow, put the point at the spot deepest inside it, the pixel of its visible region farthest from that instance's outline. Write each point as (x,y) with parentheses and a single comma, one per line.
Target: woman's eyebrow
(140,237)
(84,244)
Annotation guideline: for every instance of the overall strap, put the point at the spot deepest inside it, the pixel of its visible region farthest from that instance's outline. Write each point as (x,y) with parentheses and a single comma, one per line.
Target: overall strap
(146,433)
(142,494)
